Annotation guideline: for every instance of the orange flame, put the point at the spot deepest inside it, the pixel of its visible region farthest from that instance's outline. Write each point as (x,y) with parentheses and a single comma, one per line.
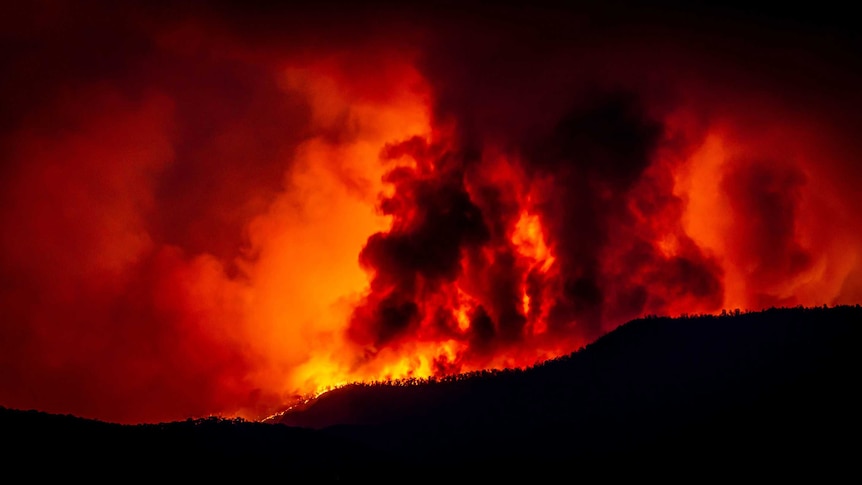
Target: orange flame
(229,214)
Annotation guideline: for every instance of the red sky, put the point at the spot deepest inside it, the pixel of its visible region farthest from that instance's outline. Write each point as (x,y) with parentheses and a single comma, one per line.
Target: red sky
(220,207)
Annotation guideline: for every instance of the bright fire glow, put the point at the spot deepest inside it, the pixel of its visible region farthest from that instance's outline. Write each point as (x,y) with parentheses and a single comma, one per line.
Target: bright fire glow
(215,211)
(530,241)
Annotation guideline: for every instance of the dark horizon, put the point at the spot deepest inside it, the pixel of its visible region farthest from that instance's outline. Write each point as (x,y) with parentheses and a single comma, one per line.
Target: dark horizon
(763,394)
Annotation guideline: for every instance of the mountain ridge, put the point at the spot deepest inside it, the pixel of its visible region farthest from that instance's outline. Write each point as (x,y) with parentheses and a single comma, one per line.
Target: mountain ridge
(771,391)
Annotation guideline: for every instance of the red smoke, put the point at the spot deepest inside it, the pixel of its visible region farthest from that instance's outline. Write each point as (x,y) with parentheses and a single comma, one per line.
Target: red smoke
(218,209)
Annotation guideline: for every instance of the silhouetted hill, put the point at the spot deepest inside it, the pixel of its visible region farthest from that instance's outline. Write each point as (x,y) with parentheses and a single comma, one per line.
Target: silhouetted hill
(752,396)
(767,388)
(39,446)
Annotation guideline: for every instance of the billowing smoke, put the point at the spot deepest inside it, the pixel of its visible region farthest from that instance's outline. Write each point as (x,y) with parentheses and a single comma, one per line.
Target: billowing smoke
(218,208)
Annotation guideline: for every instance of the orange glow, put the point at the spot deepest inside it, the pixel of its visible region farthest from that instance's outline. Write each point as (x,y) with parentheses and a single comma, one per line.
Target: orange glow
(314,229)
(464,307)
(229,211)
(714,220)
(530,241)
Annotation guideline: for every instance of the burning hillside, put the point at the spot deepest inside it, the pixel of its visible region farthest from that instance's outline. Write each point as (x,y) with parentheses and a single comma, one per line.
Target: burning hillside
(220,208)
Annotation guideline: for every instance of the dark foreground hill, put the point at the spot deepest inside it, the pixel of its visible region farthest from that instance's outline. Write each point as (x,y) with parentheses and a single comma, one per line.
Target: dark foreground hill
(774,391)
(762,395)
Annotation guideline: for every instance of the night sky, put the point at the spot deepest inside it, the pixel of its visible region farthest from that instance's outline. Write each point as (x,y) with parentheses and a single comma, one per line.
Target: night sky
(221,207)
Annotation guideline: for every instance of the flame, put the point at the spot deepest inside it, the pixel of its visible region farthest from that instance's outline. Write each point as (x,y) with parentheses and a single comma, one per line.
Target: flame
(315,229)
(463,308)
(529,240)
(231,212)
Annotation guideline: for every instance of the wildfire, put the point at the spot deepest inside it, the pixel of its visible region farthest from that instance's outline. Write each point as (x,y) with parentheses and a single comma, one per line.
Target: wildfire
(530,241)
(226,212)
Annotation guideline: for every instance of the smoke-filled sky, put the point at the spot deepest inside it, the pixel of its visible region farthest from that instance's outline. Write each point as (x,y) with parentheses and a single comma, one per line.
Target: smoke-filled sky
(222,207)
